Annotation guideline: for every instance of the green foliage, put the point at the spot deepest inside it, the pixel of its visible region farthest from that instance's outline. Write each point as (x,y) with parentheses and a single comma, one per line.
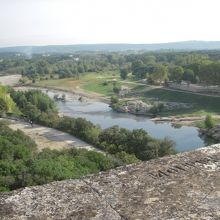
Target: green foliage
(126,157)
(176,73)
(114,99)
(33,103)
(199,66)
(116,88)
(189,76)
(3,106)
(7,105)
(116,140)
(124,73)
(21,165)
(200,102)
(209,122)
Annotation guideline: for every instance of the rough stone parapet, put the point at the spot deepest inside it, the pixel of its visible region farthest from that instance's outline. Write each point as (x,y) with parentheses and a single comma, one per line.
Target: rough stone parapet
(185,186)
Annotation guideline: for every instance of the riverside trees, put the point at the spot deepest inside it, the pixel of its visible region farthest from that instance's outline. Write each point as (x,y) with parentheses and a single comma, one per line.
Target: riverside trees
(41,109)
(22,165)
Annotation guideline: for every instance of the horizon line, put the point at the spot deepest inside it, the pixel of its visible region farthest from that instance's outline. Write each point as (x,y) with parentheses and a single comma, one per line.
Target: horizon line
(48,45)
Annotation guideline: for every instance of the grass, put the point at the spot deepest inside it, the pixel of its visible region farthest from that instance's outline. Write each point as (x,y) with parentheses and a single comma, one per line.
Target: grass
(94,82)
(98,87)
(202,104)
(90,82)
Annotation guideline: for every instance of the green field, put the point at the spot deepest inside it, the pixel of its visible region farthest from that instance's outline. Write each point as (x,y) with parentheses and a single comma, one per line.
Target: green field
(202,104)
(101,83)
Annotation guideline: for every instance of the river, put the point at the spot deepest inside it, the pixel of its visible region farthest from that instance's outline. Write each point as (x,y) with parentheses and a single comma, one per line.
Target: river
(186,137)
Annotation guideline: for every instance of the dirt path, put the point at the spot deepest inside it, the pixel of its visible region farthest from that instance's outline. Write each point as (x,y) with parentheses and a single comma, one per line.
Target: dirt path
(50,138)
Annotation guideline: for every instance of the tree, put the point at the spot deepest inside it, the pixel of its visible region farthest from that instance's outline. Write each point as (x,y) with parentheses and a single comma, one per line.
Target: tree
(176,73)
(139,69)
(124,73)
(189,75)
(159,74)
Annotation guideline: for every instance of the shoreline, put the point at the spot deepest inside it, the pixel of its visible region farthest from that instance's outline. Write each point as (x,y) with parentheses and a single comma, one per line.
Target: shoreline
(175,120)
(94,96)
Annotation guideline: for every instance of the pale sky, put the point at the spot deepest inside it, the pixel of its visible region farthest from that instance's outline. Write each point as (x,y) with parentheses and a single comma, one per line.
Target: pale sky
(49,22)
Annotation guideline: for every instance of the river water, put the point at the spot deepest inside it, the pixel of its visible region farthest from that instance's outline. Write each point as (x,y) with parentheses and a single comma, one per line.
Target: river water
(186,137)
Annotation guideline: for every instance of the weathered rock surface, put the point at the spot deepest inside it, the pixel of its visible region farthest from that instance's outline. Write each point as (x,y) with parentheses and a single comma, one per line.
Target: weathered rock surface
(133,107)
(139,107)
(185,186)
(213,132)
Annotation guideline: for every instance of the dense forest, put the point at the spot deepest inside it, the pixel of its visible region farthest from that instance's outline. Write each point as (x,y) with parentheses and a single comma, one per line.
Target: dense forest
(158,67)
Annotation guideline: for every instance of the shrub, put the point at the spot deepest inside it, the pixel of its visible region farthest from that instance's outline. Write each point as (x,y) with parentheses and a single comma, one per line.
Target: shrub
(114,99)
(209,122)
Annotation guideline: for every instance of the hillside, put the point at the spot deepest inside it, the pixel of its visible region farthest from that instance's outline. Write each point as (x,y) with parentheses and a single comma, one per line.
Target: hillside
(185,186)
(185,45)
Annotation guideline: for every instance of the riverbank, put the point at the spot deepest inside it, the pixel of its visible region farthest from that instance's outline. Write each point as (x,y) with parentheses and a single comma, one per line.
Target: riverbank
(46,137)
(212,132)
(187,121)
(176,120)
(92,96)
(102,115)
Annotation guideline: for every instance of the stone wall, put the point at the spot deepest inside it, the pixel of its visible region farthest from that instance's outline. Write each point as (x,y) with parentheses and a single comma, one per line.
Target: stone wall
(185,186)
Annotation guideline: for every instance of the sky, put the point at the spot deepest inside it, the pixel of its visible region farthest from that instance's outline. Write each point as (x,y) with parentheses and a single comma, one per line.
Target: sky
(55,22)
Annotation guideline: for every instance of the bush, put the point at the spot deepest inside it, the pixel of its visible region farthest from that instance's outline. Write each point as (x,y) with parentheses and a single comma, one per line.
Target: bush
(116,89)
(105,83)
(114,99)
(21,165)
(209,122)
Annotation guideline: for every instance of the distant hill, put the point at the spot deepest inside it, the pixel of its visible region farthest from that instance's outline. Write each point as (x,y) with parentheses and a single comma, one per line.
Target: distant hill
(185,45)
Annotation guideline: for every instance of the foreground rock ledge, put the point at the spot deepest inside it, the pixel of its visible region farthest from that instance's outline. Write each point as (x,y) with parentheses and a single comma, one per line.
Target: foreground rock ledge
(185,186)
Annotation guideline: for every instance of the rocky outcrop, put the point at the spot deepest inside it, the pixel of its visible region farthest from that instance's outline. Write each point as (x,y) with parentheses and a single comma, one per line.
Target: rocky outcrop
(185,186)
(139,107)
(213,132)
(133,106)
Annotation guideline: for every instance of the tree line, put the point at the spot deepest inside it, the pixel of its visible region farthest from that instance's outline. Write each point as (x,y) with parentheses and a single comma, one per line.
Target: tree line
(158,67)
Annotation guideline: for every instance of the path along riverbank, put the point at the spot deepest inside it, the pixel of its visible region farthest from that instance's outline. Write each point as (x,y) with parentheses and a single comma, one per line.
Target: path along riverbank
(48,137)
